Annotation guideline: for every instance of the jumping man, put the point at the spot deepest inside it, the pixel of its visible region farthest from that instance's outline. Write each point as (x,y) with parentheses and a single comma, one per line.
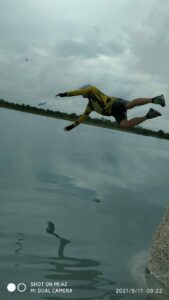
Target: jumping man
(112,106)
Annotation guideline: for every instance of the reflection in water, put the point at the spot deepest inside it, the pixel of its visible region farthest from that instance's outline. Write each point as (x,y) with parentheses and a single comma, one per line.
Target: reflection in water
(19,245)
(86,282)
(20,238)
(96,200)
(63,242)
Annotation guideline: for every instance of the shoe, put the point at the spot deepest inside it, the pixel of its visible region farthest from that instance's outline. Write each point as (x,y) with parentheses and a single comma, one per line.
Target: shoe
(152,113)
(159,100)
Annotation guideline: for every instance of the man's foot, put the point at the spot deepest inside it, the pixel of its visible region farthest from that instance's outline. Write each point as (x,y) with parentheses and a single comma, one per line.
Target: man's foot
(152,113)
(159,100)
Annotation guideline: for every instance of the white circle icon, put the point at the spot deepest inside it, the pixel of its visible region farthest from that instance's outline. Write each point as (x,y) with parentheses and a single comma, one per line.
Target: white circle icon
(21,287)
(11,287)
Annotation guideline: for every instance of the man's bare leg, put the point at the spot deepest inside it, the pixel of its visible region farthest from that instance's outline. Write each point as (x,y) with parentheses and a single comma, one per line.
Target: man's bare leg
(142,101)
(133,122)
(138,102)
(152,113)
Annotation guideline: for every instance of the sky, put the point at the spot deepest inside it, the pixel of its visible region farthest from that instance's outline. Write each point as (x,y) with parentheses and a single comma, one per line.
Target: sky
(51,46)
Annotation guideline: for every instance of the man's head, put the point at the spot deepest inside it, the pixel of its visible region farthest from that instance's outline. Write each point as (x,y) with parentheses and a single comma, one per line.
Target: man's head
(85,86)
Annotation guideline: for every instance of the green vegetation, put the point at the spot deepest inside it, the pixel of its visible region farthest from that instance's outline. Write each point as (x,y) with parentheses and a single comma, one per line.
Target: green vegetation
(72,117)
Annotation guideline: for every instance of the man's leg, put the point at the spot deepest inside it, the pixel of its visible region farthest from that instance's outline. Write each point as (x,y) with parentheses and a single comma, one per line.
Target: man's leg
(152,113)
(142,101)
(138,102)
(133,122)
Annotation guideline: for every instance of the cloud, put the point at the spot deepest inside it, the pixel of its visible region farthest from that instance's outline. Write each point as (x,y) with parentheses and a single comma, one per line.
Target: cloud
(89,47)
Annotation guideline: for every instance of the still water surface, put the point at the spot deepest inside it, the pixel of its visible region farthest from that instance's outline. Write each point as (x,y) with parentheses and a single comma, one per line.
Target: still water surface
(78,207)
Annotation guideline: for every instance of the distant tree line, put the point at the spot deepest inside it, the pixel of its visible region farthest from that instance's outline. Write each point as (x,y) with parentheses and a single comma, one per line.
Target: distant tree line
(72,117)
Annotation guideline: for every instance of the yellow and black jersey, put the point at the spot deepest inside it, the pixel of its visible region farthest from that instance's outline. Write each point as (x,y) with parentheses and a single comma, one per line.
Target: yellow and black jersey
(98,102)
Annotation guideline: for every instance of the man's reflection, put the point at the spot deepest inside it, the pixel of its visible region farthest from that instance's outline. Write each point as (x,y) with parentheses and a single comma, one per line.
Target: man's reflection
(63,242)
(84,279)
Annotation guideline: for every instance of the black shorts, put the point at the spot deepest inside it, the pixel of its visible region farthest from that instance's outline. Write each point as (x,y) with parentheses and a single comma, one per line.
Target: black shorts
(119,111)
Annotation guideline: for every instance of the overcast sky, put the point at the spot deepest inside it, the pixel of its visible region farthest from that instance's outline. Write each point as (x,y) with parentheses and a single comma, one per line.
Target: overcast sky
(120,46)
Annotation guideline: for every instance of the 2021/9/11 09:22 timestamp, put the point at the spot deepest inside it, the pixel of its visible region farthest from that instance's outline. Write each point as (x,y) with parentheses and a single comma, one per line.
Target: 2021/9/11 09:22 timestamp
(139,291)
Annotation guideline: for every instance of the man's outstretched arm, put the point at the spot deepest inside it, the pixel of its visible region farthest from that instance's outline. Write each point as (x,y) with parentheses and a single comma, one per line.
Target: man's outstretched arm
(81,119)
(82,92)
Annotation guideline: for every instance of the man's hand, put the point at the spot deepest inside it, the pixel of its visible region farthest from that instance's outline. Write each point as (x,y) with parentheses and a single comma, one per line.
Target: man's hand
(70,127)
(61,95)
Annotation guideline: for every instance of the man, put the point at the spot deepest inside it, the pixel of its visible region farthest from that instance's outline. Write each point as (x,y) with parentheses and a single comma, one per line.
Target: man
(112,106)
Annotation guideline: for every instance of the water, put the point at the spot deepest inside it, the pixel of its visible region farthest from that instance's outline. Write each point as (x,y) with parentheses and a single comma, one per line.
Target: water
(77,209)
